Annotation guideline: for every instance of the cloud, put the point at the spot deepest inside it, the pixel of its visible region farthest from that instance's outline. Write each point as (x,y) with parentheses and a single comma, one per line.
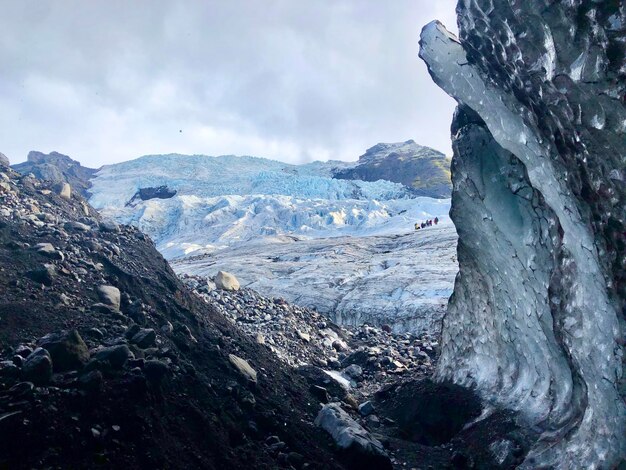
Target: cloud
(107,81)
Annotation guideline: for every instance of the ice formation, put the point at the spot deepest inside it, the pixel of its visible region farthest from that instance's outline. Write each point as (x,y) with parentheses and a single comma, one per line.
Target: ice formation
(536,318)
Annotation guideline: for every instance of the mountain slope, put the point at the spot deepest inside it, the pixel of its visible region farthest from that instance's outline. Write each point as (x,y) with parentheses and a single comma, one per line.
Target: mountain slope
(57,168)
(147,380)
(424,170)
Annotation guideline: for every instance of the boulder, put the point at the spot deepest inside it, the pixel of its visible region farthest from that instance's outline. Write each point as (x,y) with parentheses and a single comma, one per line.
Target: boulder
(44,274)
(4,161)
(48,250)
(353,371)
(110,295)
(155,370)
(91,382)
(64,190)
(366,408)
(144,338)
(243,367)
(116,356)
(109,226)
(329,380)
(38,367)
(226,281)
(76,226)
(358,445)
(67,349)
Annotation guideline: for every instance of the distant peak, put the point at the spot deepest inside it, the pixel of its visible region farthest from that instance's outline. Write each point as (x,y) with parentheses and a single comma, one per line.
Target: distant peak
(40,157)
(408,147)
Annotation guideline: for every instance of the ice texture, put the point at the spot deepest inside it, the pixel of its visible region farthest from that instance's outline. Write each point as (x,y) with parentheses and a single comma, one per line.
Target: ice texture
(536,321)
(402,280)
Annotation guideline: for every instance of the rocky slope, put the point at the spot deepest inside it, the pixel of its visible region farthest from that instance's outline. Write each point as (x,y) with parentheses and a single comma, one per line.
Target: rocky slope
(536,321)
(108,358)
(58,168)
(424,170)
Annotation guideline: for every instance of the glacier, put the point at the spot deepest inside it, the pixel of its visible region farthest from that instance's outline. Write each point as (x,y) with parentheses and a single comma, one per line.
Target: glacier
(536,320)
(345,247)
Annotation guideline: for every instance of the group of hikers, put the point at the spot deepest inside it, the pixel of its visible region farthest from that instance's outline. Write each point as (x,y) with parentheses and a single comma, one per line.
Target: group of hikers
(427,223)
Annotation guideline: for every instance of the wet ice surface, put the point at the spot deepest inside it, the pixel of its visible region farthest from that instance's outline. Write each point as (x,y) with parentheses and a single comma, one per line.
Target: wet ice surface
(532,327)
(401,279)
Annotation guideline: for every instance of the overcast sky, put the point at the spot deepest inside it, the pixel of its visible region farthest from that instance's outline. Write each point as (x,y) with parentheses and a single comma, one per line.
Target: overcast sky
(105,81)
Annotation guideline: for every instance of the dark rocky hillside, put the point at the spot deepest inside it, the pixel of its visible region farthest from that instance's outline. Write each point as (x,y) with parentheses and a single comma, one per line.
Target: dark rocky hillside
(57,168)
(137,374)
(423,170)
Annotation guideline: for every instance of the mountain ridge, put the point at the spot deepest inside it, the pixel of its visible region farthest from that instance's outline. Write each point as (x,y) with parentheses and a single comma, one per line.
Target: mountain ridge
(423,170)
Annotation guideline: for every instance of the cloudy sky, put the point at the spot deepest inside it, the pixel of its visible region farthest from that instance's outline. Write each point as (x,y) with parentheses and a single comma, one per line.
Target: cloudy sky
(109,80)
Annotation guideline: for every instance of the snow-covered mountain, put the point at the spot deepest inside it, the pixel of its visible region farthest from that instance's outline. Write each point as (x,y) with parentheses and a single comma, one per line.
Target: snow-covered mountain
(276,225)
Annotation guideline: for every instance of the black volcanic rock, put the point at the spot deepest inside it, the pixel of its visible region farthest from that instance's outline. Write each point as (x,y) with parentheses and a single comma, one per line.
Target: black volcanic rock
(536,322)
(426,172)
(159,192)
(57,168)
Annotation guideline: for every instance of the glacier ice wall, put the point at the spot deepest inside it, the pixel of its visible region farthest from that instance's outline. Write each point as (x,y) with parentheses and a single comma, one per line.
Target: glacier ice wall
(536,320)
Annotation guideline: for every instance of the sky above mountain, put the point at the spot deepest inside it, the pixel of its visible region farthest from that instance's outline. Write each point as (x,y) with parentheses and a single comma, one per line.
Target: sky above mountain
(108,80)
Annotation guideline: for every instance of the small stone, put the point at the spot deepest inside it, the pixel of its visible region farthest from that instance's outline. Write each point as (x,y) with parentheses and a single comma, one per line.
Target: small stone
(67,350)
(9,369)
(366,408)
(226,281)
(304,336)
(95,333)
(116,356)
(352,437)
(64,190)
(23,350)
(243,367)
(38,367)
(91,381)
(145,338)
(295,459)
(48,250)
(132,331)
(320,393)
(76,226)
(44,275)
(21,389)
(109,226)
(110,295)
(353,371)
(155,370)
